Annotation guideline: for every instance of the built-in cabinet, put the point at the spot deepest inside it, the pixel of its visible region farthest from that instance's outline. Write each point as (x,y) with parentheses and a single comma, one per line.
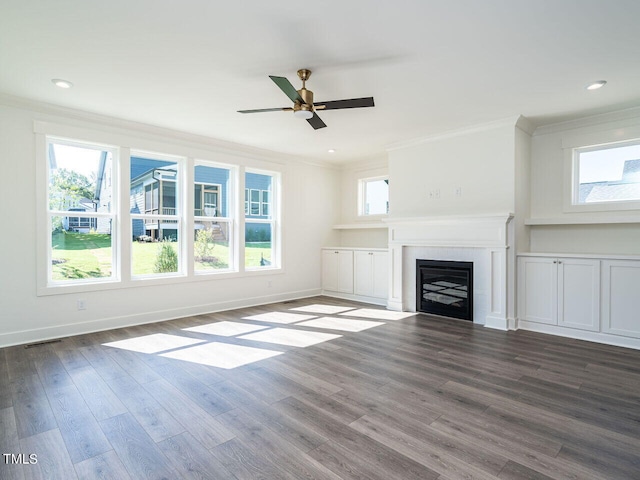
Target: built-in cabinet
(371,273)
(582,293)
(356,273)
(560,291)
(337,270)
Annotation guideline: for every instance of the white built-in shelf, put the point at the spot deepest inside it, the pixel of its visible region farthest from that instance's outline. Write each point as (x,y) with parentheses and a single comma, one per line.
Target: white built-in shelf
(582,220)
(355,226)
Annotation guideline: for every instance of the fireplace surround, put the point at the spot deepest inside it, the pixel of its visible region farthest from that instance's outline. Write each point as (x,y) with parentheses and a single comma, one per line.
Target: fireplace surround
(485,240)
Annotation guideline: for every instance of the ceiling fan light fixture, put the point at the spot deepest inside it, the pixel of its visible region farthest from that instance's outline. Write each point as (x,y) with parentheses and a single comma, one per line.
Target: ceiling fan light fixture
(303,111)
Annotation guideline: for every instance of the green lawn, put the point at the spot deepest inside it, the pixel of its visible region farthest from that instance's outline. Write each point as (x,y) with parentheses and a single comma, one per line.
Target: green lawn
(88,255)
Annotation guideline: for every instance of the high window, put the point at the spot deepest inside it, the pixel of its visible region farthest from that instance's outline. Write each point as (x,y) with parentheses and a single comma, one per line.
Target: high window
(80,212)
(607,175)
(261,220)
(373,196)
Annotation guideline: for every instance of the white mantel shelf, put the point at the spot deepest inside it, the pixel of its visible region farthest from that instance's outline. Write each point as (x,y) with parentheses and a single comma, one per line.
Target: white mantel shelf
(582,220)
(356,226)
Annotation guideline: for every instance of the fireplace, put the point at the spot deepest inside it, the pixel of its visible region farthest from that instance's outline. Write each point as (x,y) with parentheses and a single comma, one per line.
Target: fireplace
(445,288)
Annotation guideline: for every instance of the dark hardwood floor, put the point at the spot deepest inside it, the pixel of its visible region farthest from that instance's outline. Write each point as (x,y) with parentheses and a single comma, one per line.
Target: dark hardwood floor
(412,398)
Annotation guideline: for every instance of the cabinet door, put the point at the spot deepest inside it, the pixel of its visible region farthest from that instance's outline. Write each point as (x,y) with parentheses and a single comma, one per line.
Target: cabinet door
(579,293)
(621,297)
(363,273)
(330,270)
(538,289)
(345,271)
(380,274)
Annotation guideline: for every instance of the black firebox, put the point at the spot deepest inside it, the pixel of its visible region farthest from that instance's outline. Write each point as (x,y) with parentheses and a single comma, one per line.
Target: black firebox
(445,288)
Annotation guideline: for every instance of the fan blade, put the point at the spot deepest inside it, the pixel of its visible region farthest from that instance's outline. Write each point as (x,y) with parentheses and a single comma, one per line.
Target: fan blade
(288,89)
(279,109)
(350,103)
(316,122)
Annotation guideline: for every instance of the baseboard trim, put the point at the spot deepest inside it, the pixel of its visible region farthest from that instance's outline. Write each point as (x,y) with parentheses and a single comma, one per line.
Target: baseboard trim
(356,298)
(497,323)
(607,339)
(61,331)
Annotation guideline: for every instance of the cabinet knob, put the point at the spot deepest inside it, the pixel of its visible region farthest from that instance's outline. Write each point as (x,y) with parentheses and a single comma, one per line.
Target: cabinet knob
(559,261)
(555,261)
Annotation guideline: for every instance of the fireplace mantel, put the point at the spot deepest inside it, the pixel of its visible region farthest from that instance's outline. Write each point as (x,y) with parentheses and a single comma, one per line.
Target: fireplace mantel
(485,239)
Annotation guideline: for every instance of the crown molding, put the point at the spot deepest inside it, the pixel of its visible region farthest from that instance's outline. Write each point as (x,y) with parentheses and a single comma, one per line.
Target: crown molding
(589,121)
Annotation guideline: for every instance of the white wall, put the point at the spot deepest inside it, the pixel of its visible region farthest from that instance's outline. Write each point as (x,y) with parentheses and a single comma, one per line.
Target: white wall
(478,163)
(550,179)
(27,317)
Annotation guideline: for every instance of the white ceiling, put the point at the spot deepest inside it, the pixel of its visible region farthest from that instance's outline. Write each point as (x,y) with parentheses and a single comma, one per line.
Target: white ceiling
(432,66)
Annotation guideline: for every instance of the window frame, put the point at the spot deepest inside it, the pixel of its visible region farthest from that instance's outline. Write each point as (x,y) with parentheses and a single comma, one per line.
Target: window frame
(362,196)
(46,247)
(274,219)
(229,219)
(572,183)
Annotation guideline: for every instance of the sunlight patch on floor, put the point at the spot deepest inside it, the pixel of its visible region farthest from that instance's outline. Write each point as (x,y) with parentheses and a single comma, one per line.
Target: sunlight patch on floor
(291,337)
(344,324)
(225,329)
(222,355)
(378,314)
(157,342)
(279,317)
(324,309)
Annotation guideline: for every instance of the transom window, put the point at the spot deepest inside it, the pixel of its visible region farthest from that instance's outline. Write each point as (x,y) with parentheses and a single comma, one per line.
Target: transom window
(607,174)
(373,196)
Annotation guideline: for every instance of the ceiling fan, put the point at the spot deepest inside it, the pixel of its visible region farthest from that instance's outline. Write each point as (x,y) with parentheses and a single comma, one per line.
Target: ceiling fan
(303,104)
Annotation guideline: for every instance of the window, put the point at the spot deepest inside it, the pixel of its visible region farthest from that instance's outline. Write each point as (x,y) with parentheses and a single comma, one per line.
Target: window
(607,174)
(156,215)
(213,246)
(373,196)
(79,210)
(261,222)
(146,217)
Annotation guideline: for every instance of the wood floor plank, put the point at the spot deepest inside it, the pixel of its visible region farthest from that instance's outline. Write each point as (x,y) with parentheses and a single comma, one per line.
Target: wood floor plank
(274,447)
(100,399)
(383,457)
(31,406)
(296,433)
(247,464)
(192,460)
(9,444)
(53,462)
(434,454)
(106,466)
(80,431)
(5,391)
(206,429)
(137,451)
(153,418)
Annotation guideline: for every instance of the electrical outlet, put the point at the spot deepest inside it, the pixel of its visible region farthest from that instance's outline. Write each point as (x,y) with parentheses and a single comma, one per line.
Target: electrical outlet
(437,193)
(269,284)
(82,305)
(458,191)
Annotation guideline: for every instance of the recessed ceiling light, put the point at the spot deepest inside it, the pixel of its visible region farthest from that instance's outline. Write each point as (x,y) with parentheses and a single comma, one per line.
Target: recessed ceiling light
(331,150)
(58,82)
(596,85)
